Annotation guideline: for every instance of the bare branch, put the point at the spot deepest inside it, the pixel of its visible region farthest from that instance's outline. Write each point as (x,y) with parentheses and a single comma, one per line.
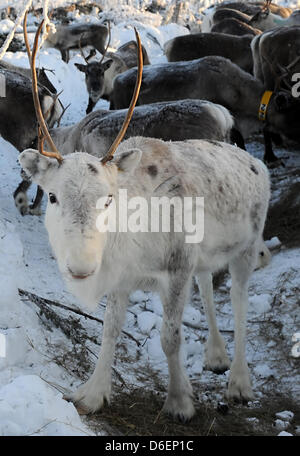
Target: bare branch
(39,301)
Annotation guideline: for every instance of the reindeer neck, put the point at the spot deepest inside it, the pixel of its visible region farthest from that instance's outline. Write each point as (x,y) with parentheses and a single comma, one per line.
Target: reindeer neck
(251,95)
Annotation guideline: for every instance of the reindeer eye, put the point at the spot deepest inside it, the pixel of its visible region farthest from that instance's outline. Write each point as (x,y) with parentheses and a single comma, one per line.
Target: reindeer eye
(262,254)
(52,198)
(109,200)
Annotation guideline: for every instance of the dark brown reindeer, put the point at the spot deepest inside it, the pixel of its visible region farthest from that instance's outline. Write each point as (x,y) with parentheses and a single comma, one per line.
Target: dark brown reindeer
(221,14)
(218,80)
(197,45)
(276,57)
(236,27)
(247,8)
(228,20)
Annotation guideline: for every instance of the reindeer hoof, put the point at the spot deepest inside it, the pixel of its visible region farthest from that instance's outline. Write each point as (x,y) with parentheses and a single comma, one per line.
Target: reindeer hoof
(276,163)
(239,386)
(90,397)
(180,408)
(216,358)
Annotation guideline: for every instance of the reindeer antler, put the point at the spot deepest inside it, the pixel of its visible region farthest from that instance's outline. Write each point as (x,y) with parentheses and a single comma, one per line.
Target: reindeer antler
(284,70)
(121,134)
(43,132)
(108,43)
(266,5)
(91,54)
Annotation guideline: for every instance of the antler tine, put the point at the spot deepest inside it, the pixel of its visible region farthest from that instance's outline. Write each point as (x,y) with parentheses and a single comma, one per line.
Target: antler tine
(277,78)
(266,5)
(43,130)
(108,43)
(26,37)
(91,54)
(121,134)
(293,63)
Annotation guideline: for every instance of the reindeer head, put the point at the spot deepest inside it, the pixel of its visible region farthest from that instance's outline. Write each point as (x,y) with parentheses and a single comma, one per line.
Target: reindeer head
(95,71)
(94,77)
(74,184)
(260,20)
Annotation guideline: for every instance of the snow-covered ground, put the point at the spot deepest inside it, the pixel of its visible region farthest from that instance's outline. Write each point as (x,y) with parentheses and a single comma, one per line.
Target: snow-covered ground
(46,355)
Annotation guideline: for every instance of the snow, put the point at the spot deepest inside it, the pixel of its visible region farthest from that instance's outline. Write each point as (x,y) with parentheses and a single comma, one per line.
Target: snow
(146,321)
(30,396)
(260,303)
(285,415)
(263,370)
(33,374)
(6,25)
(273,243)
(281,425)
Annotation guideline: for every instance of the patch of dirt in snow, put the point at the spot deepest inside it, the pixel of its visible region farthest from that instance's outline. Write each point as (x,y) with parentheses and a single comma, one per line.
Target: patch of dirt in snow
(137,412)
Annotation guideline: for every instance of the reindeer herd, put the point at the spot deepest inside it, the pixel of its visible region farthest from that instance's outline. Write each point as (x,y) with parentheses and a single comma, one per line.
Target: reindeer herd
(180,130)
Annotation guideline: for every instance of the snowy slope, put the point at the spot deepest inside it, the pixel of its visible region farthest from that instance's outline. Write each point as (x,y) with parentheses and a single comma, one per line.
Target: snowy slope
(43,360)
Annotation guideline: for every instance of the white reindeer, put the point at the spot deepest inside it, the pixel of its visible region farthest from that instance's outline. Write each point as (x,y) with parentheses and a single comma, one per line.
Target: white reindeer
(235,187)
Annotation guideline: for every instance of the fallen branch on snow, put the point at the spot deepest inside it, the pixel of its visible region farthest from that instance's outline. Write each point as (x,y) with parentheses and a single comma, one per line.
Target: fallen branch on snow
(40,302)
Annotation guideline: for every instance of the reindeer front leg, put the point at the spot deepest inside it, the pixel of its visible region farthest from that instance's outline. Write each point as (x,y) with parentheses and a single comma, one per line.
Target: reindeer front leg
(91,396)
(179,401)
(91,106)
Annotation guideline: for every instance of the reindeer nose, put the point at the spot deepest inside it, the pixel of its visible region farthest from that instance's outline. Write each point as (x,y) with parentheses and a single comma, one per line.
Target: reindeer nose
(81,268)
(80,273)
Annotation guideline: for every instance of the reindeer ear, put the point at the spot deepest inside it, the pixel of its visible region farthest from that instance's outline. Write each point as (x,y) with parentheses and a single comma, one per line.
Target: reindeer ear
(106,64)
(128,161)
(81,67)
(35,165)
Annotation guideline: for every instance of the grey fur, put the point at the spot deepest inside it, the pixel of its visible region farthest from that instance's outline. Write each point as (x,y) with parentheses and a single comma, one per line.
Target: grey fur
(195,46)
(218,80)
